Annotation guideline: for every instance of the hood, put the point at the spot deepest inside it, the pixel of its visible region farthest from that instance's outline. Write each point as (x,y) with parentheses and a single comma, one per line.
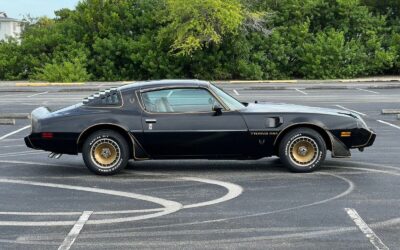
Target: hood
(292,108)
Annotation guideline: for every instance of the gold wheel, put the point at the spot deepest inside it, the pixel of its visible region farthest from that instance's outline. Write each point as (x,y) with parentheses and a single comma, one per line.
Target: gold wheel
(303,151)
(105,153)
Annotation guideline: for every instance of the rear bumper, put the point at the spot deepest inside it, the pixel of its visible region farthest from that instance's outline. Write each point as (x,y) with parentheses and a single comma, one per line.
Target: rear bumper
(28,142)
(62,143)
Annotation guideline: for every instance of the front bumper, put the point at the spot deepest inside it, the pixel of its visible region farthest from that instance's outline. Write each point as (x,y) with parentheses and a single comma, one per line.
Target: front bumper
(371,139)
(360,139)
(363,138)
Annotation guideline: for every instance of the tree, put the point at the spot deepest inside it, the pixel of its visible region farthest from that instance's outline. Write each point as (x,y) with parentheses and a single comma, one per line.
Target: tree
(195,24)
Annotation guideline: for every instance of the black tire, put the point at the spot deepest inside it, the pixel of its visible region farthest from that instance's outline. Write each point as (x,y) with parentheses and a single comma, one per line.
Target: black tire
(302,150)
(105,152)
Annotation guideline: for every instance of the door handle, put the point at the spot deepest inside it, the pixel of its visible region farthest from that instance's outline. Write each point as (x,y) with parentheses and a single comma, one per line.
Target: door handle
(151,120)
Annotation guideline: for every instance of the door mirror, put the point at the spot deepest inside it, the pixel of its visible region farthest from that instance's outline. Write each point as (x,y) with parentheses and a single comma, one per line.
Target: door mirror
(217,109)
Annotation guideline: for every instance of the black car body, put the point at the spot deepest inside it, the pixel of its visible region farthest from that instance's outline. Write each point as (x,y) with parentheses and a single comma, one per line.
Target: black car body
(171,119)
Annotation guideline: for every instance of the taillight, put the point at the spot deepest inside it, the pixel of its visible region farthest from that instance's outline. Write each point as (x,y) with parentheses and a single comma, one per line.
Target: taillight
(47,135)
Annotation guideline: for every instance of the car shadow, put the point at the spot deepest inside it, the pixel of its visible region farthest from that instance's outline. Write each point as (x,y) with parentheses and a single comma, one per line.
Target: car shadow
(271,165)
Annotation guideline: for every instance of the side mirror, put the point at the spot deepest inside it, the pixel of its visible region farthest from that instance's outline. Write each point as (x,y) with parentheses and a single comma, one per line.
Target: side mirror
(217,109)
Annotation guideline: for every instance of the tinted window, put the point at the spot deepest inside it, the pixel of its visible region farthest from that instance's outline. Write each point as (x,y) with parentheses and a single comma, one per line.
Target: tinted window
(178,100)
(231,102)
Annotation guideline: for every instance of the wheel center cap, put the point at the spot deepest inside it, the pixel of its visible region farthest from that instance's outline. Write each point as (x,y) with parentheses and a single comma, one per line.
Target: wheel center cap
(302,150)
(106,152)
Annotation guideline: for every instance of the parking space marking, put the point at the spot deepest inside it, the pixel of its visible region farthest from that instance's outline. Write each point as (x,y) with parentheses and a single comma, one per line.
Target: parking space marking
(14,132)
(389,124)
(168,205)
(351,110)
(369,91)
(76,229)
(349,190)
(42,93)
(236,92)
(233,191)
(303,92)
(365,229)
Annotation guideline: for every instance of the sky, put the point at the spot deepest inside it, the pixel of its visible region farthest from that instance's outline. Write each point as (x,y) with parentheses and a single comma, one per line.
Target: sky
(36,8)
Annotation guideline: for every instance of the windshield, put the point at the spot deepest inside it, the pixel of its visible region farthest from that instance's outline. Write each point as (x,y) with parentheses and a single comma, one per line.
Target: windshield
(231,102)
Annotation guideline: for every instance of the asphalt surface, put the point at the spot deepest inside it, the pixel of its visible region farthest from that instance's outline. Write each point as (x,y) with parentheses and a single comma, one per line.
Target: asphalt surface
(200,204)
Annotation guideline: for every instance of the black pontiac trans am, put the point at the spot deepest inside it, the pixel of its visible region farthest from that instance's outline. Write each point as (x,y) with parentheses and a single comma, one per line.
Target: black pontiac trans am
(180,119)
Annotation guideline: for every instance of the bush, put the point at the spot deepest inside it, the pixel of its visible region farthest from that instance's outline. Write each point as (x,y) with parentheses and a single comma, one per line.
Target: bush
(67,71)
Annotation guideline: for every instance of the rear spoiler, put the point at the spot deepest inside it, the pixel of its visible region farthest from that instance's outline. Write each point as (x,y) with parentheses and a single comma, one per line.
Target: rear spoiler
(37,115)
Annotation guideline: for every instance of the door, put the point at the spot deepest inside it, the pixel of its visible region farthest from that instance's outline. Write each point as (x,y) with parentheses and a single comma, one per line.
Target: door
(180,122)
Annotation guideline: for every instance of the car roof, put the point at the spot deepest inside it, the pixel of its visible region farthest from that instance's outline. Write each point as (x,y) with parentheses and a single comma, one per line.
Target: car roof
(165,83)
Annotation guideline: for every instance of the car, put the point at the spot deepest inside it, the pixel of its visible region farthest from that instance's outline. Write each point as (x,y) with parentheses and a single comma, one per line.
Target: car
(193,119)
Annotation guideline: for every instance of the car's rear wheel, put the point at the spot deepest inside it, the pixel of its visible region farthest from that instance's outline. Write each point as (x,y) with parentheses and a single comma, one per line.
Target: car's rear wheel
(105,152)
(302,150)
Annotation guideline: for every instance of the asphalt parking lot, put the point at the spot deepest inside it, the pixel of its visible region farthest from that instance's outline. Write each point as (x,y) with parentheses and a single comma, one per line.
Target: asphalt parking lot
(200,204)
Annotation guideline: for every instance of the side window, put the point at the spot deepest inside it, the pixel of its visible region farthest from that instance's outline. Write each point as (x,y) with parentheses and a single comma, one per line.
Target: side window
(185,100)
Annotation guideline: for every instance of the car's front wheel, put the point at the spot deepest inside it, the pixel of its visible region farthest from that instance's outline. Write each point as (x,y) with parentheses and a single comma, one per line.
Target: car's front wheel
(105,152)
(302,150)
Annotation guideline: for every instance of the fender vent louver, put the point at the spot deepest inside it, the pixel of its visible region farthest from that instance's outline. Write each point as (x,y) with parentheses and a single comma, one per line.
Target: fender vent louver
(109,97)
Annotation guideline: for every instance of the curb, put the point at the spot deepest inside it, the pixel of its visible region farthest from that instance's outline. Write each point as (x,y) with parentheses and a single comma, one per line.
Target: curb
(46,84)
(79,90)
(7,122)
(368,80)
(14,116)
(390,111)
(258,81)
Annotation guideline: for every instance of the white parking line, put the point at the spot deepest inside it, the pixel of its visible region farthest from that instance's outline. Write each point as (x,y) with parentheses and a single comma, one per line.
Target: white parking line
(389,124)
(351,110)
(168,206)
(76,229)
(14,132)
(236,92)
(365,229)
(233,191)
(369,91)
(38,94)
(303,92)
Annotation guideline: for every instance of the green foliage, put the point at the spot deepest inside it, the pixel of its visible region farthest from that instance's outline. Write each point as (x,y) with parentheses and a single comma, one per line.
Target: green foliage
(197,23)
(10,57)
(208,39)
(65,71)
(68,65)
(328,55)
